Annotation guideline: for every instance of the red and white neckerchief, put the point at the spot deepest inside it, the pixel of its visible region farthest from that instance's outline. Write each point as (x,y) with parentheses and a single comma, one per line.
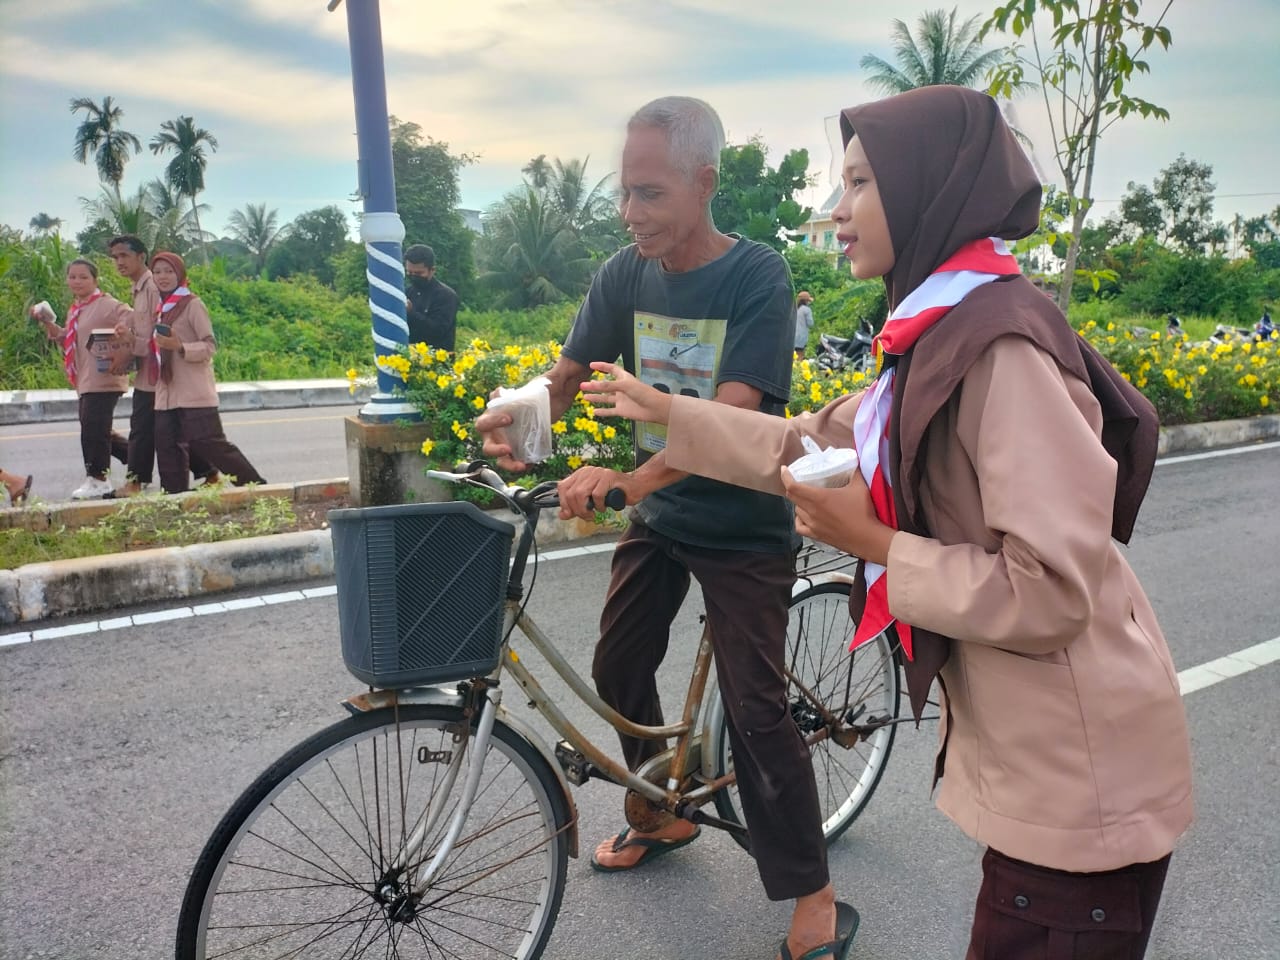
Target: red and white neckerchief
(69,337)
(970,267)
(164,307)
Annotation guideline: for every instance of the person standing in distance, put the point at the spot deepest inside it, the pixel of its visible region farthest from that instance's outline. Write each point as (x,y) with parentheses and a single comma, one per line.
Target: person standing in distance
(804,322)
(703,314)
(431,306)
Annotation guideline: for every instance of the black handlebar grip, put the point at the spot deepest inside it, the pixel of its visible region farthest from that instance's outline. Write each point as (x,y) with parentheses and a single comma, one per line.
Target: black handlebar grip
(615,499)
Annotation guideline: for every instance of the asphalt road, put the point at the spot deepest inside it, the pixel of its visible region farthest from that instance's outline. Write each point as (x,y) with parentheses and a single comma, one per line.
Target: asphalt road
(120,750)
(285,445)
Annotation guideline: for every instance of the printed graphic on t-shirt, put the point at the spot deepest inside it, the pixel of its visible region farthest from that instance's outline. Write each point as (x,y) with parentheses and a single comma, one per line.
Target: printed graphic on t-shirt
(680,357)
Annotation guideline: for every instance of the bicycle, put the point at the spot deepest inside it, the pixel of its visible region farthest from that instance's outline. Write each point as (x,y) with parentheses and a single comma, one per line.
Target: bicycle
(371,835)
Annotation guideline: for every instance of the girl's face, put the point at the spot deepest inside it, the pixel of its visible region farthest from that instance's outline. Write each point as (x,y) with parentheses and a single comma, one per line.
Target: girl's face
(165,277)
(863,228)
(80,281)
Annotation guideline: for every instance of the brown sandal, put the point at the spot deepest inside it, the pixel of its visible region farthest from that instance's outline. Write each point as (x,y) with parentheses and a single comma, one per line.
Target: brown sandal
(21,495)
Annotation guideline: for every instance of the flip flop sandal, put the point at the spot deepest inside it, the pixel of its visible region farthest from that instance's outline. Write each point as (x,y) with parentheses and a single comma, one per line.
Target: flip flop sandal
(21,495)
(847,920)
(654,847)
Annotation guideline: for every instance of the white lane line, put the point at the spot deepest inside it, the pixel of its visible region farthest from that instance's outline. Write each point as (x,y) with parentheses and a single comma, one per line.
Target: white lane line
(1213,454)
(1232,665)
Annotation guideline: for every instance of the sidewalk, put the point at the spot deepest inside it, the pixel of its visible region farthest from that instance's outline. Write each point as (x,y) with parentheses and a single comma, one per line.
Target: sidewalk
(41,406)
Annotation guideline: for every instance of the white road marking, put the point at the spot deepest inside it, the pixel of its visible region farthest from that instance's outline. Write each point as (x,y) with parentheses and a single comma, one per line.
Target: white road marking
(1214,454)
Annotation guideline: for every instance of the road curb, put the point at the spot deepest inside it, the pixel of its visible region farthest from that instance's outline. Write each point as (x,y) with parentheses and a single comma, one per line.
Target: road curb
(69,587)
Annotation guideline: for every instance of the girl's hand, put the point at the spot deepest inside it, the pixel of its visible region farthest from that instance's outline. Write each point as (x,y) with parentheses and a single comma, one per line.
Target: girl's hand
(625,396)
(168,343)
(841,516)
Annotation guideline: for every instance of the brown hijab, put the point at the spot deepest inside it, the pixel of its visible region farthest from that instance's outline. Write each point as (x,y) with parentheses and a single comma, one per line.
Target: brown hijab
(949,171)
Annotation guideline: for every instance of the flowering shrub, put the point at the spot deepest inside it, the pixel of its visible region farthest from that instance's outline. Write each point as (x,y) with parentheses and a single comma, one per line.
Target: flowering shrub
(451,390)
(1193,381)
(813,387)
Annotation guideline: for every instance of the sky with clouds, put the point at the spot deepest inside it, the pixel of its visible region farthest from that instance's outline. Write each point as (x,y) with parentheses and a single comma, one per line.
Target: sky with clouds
(505,80)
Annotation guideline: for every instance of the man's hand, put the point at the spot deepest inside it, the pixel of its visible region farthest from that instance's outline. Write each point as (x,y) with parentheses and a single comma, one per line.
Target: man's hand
(842,516)
(595,483)
(492,426)
(622,395)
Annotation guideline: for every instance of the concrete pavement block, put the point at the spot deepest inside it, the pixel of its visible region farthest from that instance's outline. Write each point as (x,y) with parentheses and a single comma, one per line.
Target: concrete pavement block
(9,607)
(64,587)
(320,490)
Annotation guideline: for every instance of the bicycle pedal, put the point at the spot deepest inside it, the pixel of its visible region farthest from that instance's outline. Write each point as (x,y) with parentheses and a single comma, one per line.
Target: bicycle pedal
(577,768)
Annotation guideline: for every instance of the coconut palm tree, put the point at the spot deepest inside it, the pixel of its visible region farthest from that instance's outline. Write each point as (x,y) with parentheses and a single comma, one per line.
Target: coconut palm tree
(534,257)
(120,214)
(256,227)
(99,134)
(185,172)
(590,211)
(43,224)
(942,51)
(172,227)
(538,170)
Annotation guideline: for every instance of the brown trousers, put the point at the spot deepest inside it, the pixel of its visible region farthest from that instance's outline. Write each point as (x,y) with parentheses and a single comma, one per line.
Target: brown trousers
(1027,912)
(142,440)
(188,433)
(98,442)
(746,597)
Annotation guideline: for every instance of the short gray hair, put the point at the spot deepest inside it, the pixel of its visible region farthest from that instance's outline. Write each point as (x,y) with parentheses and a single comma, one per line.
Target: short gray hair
(695,135)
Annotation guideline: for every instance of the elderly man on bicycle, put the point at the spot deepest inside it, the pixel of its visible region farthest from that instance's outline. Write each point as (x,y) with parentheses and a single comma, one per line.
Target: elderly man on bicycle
(698,312)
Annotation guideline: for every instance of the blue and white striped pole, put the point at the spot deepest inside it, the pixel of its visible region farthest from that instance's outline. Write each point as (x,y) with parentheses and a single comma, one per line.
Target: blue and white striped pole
(381,228)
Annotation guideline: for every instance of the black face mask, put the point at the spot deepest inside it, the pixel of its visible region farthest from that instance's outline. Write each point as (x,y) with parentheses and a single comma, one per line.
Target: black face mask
(418,282)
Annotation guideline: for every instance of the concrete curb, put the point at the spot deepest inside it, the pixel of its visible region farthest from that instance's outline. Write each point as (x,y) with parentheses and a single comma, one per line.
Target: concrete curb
(41,406)
(68,587)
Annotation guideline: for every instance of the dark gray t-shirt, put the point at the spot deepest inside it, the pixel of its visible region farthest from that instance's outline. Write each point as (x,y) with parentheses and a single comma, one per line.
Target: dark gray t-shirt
(687,333)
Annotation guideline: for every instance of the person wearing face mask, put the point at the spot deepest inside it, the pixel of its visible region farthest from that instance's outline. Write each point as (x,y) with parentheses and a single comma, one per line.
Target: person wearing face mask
(431,306)
(187,421)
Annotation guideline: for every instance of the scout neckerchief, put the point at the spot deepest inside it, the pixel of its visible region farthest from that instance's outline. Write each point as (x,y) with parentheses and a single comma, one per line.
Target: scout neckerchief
(166,305)
(69,338)
(973,265)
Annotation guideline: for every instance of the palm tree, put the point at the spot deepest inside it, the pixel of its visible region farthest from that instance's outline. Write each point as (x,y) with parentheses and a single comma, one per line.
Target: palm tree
(941,52)
(171,228)
(256,228)
(185,172)
(121,215)
(581,207)
(535,256)
(538,171)
(99,134)
(43,224)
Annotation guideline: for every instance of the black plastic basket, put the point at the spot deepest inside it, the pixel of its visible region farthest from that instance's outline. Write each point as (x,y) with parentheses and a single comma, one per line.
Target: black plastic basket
(421,589)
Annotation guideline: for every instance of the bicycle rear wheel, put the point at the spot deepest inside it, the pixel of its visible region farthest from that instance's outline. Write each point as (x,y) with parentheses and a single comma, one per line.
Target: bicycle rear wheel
(851,686)
(304,864)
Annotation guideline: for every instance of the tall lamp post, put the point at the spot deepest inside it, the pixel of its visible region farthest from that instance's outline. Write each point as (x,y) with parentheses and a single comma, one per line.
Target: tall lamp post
(381,228)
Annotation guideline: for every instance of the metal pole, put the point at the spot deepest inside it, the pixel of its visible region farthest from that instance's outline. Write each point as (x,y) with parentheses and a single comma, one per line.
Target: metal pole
(381,228)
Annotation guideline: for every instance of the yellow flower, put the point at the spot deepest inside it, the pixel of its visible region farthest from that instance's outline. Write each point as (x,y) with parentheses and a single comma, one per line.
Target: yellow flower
(1264,400)
(442,381)
(559,427)
(459,430)
(351,374)
(574,462)
(1249,380)
(427,447)
(1202,369)
(1187,394)
(511,350)
(478,402)
(442,355)
(610,433)
(513,373)
(459,391)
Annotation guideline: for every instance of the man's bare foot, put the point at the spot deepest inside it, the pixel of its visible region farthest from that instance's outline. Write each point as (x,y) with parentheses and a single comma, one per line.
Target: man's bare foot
(629,856)
(813,922)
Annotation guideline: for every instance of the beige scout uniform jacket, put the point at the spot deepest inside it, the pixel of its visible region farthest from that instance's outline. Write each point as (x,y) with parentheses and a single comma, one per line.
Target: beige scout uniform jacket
(1067,744)
(104,313)
(192,384)
(146,300)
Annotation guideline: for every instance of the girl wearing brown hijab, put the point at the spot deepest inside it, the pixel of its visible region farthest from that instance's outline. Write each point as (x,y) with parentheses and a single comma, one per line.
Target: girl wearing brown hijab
(1002,458)
(187,421)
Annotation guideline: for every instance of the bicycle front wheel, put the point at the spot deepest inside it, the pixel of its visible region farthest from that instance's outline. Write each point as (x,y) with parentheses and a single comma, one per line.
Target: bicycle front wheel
(853,687)
(313,860)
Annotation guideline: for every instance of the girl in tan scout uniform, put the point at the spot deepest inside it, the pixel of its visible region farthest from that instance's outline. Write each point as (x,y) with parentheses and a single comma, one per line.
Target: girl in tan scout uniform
(1002,458)
(187,421)
(88,368)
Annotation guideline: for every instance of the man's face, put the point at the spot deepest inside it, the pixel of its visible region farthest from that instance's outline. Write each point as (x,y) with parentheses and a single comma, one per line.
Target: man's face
(661,205)
(423,272)
(128,263)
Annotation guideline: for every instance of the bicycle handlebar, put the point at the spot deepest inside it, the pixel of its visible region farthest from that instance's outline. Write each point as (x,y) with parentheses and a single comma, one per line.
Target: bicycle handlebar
(545,494)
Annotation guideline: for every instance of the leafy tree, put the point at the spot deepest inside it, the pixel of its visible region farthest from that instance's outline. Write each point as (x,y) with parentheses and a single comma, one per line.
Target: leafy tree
(185,172)
(427,197)
(100,134)
(814,270)
(43,224)
(1177,210)
(942,51)
(255,226)
(1083,72)
(312,240)
(757,201)
(171,226)
(111,214)
(532,254)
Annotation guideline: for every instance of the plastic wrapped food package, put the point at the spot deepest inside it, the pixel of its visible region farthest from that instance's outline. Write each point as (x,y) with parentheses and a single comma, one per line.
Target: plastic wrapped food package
(832,467)
(529,407)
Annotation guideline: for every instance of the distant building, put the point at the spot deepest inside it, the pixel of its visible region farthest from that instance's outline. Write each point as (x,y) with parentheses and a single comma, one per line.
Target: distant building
(471,219)
(819,232)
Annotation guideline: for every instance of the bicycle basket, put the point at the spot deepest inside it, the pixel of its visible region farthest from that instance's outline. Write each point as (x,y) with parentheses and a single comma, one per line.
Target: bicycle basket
(420,591)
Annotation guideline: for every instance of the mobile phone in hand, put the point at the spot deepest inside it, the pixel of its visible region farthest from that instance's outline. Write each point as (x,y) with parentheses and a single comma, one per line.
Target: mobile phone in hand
(163,329)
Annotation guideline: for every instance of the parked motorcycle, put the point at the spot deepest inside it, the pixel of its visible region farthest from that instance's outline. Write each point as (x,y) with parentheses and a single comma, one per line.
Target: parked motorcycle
(853,353)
